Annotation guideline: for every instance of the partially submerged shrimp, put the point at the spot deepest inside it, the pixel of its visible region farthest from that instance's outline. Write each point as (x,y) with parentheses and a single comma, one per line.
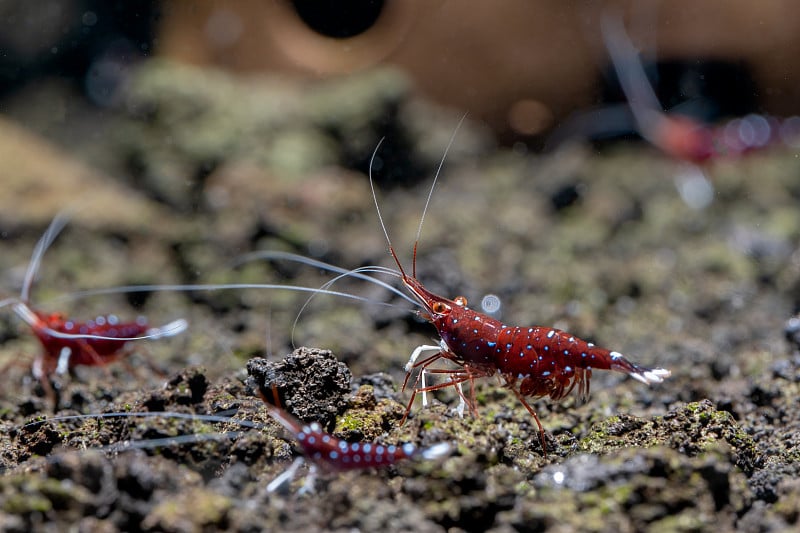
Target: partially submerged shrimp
(320,449)
(325,451)
(68,343)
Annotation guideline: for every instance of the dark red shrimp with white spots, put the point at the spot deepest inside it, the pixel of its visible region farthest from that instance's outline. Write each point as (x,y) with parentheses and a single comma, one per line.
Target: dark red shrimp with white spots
(67,343)
(325,451)
(532,361)
(320,449)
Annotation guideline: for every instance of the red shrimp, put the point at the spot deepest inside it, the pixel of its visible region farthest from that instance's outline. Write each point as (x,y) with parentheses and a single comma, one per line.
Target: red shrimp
(324,450)
(532,361)
(682,137)
(68,343)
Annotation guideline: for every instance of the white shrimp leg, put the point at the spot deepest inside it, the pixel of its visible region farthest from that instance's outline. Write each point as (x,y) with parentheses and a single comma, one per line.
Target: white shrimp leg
(281,482)
(419,350)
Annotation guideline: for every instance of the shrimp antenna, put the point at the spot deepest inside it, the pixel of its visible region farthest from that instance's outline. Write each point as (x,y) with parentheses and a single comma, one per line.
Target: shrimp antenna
(427,201)
(632,78)
(42,245)
(378,207)
(430,193)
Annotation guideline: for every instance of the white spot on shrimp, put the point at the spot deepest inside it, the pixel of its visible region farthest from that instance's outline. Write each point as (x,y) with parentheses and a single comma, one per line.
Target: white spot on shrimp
(616,356)
(551,333)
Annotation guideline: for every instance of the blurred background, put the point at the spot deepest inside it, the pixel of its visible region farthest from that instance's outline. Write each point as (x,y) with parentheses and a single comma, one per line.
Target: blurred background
(520,66)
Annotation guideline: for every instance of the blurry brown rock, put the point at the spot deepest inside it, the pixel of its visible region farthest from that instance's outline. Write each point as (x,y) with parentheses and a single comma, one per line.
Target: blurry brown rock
(40,180)
(520,65)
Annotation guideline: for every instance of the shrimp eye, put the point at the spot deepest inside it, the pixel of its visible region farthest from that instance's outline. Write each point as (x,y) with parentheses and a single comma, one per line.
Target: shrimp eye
(440,308)
(460,300)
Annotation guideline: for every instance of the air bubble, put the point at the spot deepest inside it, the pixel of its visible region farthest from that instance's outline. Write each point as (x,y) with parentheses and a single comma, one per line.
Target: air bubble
(491,304)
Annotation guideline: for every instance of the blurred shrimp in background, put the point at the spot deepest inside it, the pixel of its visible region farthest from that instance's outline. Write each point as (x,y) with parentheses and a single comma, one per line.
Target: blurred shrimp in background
(520,66)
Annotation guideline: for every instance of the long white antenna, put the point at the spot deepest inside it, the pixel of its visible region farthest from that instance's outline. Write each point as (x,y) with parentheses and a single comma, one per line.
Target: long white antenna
(427,200)
(375,198)
(632,78)
(44,243)
(436,178)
